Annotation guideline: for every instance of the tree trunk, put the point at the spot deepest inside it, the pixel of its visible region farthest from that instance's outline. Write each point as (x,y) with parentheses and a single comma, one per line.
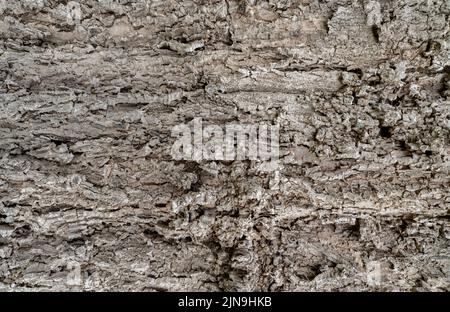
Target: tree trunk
(92,198)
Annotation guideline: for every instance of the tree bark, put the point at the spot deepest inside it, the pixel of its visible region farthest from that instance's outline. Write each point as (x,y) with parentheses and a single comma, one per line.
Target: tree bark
(91,198)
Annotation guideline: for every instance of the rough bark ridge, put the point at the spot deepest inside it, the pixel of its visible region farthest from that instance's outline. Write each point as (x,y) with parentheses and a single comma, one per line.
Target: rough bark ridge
(92,200)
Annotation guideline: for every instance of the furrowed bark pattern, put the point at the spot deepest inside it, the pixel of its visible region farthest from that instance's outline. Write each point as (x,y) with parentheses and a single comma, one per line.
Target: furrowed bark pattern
(92,200)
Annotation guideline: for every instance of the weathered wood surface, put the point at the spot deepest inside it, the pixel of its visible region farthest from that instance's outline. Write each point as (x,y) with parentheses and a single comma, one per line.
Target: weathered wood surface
(92,200)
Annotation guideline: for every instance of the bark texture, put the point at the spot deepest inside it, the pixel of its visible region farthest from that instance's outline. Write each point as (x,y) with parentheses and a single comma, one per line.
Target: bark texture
(92,200)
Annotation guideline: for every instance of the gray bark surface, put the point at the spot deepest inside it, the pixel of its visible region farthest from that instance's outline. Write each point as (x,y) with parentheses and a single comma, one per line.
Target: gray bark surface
(91,198)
